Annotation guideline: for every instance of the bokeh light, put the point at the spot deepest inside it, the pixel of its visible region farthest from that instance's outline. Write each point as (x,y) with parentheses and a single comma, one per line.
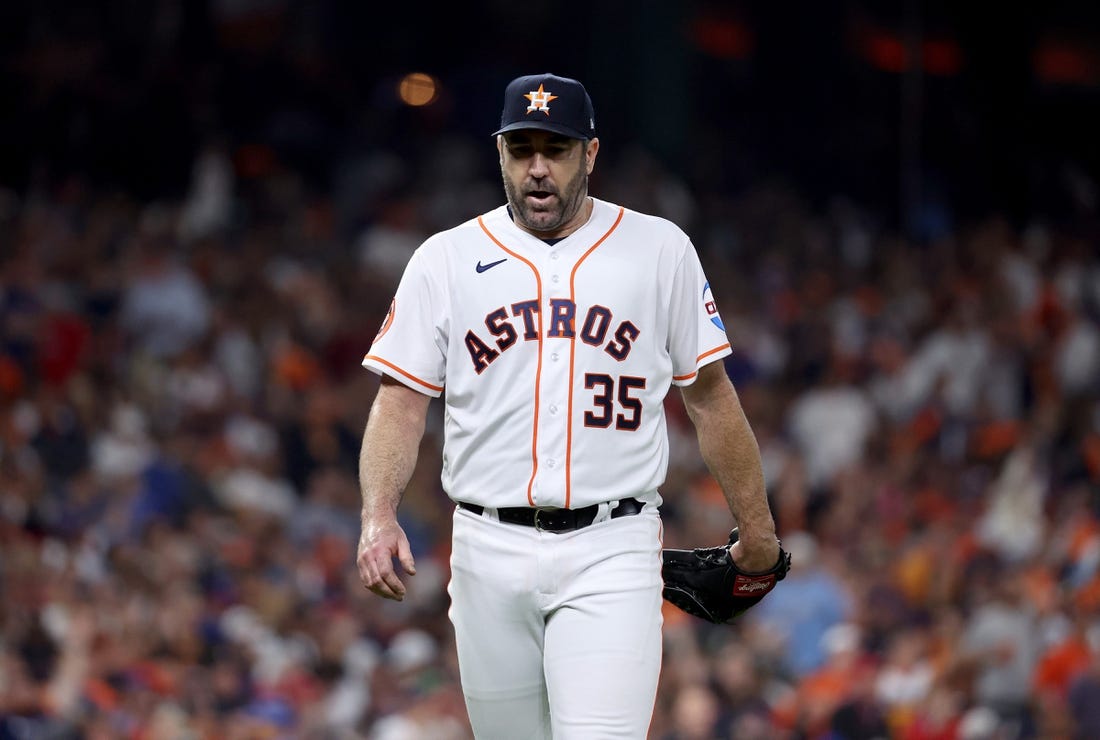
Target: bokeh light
(418,89)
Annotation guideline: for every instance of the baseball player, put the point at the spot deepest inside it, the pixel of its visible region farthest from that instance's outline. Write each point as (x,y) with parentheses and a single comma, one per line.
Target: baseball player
(555,325)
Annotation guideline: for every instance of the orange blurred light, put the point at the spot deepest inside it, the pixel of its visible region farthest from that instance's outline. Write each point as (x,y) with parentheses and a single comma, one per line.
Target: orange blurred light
(886,51)
(1060,61)
(723,38)
(942,56)
(418,89)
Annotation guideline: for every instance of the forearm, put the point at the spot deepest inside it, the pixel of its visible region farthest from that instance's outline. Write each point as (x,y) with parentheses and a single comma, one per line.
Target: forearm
(731,453)
(391,443)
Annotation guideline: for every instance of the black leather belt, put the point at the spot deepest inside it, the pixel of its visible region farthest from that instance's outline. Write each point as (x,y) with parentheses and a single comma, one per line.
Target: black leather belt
(557,520)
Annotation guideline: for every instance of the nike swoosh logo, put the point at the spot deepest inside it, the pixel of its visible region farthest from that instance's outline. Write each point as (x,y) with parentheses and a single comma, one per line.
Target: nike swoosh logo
(482,268)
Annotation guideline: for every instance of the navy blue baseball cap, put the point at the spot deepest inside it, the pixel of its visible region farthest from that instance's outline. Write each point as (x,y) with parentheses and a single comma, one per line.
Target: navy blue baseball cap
(549,103)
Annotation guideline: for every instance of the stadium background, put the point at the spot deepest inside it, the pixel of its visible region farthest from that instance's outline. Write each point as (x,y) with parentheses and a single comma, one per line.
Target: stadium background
(204,207)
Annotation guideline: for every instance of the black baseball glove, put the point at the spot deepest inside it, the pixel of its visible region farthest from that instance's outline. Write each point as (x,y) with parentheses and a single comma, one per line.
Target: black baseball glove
(707,583)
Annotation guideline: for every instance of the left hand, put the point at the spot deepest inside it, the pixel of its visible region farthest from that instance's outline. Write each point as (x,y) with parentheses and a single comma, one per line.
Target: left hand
(379,543)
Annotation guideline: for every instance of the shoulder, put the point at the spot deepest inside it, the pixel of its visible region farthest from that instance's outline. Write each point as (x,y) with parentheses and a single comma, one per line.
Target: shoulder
(646,231)
(657,227)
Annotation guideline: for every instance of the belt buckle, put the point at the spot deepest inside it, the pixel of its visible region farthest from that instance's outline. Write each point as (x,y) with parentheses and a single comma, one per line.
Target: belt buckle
(539,510)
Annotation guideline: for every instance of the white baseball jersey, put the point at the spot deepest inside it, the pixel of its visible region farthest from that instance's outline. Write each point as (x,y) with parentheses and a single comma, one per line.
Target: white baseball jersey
(555,359)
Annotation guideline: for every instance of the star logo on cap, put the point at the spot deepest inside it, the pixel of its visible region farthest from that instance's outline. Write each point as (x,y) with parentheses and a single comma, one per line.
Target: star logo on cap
(540,100)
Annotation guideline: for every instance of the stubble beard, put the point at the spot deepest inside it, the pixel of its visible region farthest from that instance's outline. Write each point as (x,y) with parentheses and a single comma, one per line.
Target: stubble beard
(560,210)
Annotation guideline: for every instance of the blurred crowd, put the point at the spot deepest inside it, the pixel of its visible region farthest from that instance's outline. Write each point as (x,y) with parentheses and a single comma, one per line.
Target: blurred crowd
(181,405)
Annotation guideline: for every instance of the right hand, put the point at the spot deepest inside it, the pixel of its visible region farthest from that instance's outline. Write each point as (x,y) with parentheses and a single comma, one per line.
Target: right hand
(379,543)
(760,559)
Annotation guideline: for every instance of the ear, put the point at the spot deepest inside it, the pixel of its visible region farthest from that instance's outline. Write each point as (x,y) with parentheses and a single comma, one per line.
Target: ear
(590,154)
(500,149)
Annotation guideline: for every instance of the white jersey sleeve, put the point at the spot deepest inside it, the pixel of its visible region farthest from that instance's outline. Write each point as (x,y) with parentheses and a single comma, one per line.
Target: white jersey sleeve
(411,345)
(696,333)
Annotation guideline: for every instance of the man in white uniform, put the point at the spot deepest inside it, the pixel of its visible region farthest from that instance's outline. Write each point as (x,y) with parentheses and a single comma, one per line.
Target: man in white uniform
(556,325)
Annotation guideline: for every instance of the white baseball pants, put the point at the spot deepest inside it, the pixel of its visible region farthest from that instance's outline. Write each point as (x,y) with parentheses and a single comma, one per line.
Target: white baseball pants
(558,635)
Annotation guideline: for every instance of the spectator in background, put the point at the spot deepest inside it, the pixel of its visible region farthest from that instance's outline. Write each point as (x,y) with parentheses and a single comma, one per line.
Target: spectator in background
(208,207)
(1001,642)
(744,688)
(695,714)
(834,695)
(906,677)
(1084,695)
(165,309)
(831,423)
(1014,524)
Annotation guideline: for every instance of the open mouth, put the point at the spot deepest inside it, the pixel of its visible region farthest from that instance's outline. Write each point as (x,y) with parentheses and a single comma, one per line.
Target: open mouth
(540,197)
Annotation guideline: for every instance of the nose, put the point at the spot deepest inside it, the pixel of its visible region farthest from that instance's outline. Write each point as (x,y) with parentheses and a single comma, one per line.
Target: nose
(539,166)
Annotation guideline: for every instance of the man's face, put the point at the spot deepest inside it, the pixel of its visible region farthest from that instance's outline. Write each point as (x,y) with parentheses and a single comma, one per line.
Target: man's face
(546,179)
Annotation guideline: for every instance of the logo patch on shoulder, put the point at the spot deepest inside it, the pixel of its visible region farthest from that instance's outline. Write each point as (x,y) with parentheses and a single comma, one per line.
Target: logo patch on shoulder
(711,307)
(388,321)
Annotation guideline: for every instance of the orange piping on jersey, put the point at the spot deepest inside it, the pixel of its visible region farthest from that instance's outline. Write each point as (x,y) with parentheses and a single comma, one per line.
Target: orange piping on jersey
(572,355)
(711,352)
(411,377)
(708,353)
(538,367)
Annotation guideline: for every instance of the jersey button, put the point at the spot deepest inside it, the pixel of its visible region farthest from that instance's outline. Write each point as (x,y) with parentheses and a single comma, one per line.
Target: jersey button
(553,409)
(553,255)
(554,357)
(554,278)
(551,463)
